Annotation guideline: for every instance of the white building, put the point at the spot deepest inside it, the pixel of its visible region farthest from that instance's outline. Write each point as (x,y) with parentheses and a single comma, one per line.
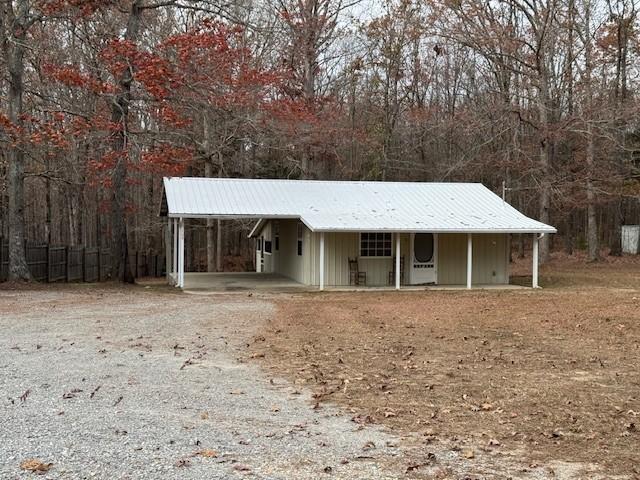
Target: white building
(339,233)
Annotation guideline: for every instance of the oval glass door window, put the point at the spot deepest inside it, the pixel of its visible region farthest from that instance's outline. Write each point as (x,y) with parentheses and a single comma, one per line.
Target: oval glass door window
(423,247)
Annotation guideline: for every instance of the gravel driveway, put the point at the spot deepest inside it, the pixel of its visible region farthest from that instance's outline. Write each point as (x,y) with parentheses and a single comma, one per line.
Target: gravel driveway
(111,382)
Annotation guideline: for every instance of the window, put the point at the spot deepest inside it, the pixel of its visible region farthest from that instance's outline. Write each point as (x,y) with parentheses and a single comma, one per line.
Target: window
(267,246)
(259,244)
(300,234)
(375,244)
(423,247)
(276,230)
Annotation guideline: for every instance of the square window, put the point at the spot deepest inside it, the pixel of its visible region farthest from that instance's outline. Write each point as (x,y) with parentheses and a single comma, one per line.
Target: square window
(375,244)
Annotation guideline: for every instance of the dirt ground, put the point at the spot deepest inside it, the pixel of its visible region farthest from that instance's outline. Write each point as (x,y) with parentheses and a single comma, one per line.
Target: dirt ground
(549,379)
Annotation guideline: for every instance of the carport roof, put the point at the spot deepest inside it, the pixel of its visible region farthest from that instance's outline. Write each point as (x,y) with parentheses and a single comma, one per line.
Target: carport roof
(349,206)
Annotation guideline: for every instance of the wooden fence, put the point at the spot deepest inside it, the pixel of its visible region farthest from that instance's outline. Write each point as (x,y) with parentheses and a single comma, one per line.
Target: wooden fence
(58,263)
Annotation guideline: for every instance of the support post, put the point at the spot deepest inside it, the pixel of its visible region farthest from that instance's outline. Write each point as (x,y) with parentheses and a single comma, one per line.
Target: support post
(534,271)
(469,259)
(397,261)
(321,260)
(167,254)
(174,271)
(181,254)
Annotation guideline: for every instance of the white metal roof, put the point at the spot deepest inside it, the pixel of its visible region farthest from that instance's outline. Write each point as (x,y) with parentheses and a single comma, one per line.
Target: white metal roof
(350,206)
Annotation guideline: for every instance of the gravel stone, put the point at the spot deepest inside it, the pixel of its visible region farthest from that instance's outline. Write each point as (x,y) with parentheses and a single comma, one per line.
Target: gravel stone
(131,383)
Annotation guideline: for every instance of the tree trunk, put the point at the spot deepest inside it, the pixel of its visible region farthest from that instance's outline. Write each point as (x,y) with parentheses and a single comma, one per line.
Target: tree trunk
(593,244)
(219,246)
(616,229)
(568,238)
(120,117)
(211,227)
(545,161)
(14,47)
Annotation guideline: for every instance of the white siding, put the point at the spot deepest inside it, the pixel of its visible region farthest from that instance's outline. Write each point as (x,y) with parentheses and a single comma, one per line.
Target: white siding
(286,260)
(339,247)
(490,260)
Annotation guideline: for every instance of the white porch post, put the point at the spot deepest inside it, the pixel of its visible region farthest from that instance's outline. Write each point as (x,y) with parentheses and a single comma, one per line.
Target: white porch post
(321,260)
(181,254)
(167,247)
(397,261)
(469,259)
(174,257)
(534,271)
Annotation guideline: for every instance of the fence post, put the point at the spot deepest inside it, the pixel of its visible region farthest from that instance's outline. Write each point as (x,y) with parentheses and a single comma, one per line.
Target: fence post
(48,263)
(84,263)
(67,263)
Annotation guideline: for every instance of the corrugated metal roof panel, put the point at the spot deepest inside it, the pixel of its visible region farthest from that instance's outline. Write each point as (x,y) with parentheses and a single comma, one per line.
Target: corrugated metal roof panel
(351,206)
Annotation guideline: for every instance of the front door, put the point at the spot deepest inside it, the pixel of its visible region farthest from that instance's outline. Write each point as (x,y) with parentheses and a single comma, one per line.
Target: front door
(424,254)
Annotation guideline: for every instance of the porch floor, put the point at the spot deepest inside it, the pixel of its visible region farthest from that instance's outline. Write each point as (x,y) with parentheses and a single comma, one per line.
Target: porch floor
(417,288)
(226,282)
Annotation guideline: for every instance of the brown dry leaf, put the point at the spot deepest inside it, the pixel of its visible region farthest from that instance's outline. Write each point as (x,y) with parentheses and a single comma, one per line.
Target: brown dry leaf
(486,407)
(207,453)
(34,465)
(468,454)
(416,466)
(204,415)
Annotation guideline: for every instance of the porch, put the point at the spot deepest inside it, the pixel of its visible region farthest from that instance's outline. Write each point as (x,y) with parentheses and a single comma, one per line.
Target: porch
(253,282)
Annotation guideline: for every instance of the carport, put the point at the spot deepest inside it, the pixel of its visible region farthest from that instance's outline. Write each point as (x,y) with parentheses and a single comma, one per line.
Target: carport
(199,202)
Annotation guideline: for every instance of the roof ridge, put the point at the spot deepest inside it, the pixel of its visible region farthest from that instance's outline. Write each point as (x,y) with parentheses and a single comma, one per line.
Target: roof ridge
(321,181)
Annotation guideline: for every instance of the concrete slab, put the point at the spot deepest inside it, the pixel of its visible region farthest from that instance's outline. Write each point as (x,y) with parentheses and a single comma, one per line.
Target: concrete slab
(419,288)
(240,282)
(227,282)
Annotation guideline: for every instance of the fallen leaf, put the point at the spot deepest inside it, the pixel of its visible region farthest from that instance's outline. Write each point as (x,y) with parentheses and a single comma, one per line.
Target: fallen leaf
(34,465)
(468,454)
(207,453)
